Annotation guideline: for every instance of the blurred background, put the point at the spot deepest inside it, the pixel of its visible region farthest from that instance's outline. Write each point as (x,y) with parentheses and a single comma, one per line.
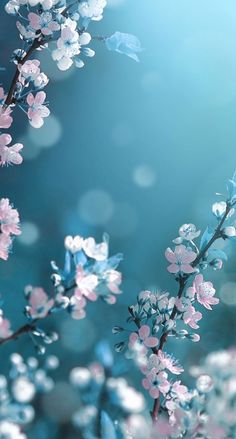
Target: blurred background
(131,149)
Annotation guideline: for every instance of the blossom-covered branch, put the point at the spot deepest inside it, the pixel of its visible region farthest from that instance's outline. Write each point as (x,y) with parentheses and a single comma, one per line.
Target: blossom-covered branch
(159,315)
(61,26)
(88,274)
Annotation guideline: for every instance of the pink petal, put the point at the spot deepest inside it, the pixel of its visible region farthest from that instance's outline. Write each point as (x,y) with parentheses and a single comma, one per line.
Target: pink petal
(170,256)
(144,332)
(146,384)
(5,139)
(40,97)
(188,256)
(154,392)
(30,99)
(151,342)
(133,338)
(173,268)
(185,268)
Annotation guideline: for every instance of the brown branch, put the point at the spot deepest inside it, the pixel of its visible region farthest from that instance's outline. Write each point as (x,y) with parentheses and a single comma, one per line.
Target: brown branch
(25,329)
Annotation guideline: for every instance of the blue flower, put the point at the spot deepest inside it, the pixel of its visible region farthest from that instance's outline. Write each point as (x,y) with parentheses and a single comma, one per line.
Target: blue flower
(126,44)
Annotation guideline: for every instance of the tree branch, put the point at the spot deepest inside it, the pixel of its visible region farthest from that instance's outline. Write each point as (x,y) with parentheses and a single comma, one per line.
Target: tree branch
(182,283)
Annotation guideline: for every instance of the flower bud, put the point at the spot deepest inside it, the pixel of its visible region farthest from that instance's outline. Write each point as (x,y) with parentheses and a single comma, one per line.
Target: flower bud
(229,232)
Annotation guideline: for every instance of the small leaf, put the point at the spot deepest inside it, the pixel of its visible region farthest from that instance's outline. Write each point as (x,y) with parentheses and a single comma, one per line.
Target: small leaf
(216,253)
(107,427)
(207,235)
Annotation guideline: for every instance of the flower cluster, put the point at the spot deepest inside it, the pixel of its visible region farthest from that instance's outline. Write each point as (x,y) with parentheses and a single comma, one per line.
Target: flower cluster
(26,380)
(61,26)
(159,315)
(103,394)
(88,274)
(9,226)
(210,410)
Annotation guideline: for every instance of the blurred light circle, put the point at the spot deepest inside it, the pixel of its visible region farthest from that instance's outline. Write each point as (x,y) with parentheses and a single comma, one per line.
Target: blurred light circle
(77,336)
(204,383)
(122,134)
(96,207)
(23,390)
(150,81)
(144,176)
(30,150)
(29,233)
(228,293)
(50,133)
(60,404)
(124,221)
(80,377)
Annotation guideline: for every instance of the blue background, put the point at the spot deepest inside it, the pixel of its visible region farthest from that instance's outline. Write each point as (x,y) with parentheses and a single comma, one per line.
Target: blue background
(154,140)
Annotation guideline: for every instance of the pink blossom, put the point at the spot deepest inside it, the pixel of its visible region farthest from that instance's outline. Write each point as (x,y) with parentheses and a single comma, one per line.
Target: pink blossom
(43,22)
(74,244)
(143,337)
(9,218)
(29,70)
(180,259)
(5,243)
(40,304)
(162,361)
(77,305)
(179,391)
(191,317)
(99,252)
(5,328)
(37,111)
(168,362)
(5,118)
(204,292)
(9,154)
(2,95)
(86,284)
(156,382)
(113,279)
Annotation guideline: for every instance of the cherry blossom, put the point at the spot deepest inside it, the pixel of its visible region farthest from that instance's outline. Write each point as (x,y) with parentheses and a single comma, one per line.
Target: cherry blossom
(143,337)
(188,232)
(191,317)
(43,22)
(156,382)
(86,284)
(9,154)
(39,302)
(162,361)
(95,251)
(5,327)
(5,118)
(180,259)
(92,9)
(67,45)
(9,218)
(74,244)
(37,111)
(113,279)
(29,71)
(5,244)
(204,292)
(77,305)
